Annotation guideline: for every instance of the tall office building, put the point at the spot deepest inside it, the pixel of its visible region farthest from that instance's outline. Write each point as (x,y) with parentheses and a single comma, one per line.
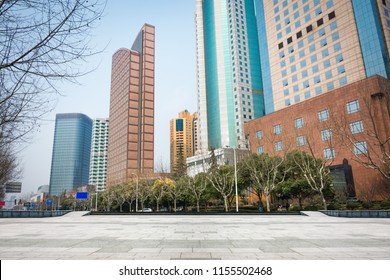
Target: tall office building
(131,133)
(98,167)
(309,47)
(71,152)
(183,132)
(230,90)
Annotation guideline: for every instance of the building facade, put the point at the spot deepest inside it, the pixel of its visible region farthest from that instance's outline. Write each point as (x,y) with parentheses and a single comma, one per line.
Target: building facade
(183,131)
(230,90)
(349,127)
(309,47)
(131,133)
(71,152)
(98,167)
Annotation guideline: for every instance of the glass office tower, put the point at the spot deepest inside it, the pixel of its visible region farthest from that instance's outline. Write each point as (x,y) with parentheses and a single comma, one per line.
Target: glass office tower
(71,153)
(230,89)
(309,47)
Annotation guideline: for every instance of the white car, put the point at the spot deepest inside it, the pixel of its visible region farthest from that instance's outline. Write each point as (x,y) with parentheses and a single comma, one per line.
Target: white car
(146,210)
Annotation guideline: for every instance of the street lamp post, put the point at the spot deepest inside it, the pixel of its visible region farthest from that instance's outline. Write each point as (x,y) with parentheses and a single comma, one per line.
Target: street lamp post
(136,193)
(235,175)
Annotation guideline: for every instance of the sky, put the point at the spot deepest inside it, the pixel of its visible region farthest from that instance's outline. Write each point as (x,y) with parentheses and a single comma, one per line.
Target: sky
(175,77)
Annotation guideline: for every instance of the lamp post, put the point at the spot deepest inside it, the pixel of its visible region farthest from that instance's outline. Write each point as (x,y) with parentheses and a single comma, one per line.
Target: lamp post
(136,193)
(235,175)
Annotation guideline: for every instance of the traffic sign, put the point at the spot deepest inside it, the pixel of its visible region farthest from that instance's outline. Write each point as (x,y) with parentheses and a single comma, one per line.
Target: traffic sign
(82,195)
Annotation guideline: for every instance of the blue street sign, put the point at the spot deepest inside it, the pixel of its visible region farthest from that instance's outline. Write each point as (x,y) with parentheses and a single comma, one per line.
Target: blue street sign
(49,202)
(33,205)
(81,195)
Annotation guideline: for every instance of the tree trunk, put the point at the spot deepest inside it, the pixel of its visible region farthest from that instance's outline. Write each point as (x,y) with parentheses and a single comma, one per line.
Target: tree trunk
(225,198)
(323,201)
(120,207)
(157,209)
(174,205)
(267,201)
(197,206)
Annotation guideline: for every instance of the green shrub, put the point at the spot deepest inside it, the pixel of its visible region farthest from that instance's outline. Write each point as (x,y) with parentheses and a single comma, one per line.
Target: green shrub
(295,208)
(312,208)
(353,205)
(367,205)
(385,204)
(334,206)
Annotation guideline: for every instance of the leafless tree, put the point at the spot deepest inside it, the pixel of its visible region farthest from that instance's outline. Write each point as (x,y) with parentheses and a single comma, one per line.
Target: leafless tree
(41,43)
(372,129)
(222,180)
(8,168)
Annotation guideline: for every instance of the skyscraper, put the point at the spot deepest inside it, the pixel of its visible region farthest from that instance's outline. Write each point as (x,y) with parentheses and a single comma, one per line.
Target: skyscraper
(71,152)
(131,133)
(98,167)
(309,47)
(183,131)
(230,89)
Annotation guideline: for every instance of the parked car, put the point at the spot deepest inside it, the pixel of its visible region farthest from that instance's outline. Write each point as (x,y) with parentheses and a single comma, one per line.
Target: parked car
(146,210)
(163,209)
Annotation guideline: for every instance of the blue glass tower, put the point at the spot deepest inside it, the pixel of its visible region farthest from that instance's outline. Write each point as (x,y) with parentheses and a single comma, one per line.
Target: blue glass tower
(71,152)
(230,88)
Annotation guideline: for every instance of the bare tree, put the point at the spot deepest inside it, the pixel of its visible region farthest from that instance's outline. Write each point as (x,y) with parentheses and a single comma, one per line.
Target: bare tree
(159,189)
(41,43)
(222,179)
(8,168)
(265,173)
(197,186)
(144,191)
(368,137)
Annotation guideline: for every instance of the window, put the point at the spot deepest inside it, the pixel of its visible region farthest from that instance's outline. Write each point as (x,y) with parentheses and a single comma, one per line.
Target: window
(353,107)
(333,25)
(301,141)
(312,48)
(297,24)
(277,129)
(360,148)
(306,84)
(289,40)
(287,102)
(294,77)
(305,74)
(307,18)
(307,94)
(260,150)
(326,134)
(303,62)
(301,54)
(341,69)
(328,75)
(325,53)
(330,85)
(318,11)
(299,123)
(299,34)
(329,4)
(280,46)
(297,98)
(318,90)
(323,43)
(320,22)
(309,28)
(310,39)
(323,115)
(279,146)
(284,73)
(315,69)
(331,15)
(313,58)
(259,134)
(296,15)
(356,127)
(343,81)
(339,58)
(329,153)
(306,8)
(295,88)
(335,36)
(337,47)
(286,92)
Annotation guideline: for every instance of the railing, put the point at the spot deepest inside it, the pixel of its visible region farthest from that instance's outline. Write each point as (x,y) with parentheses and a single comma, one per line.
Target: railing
(32,213)
(358,213)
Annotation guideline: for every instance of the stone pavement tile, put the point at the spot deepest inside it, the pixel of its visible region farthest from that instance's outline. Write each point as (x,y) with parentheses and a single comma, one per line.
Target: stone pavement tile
(195,256)
(245,250)
(82,250)
(306,250)
(275,249)
(211,250)
(145,250)
(116,249)
(176,250)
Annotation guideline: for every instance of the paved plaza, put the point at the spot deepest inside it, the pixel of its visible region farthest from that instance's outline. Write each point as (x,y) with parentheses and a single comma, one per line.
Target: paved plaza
(168,237)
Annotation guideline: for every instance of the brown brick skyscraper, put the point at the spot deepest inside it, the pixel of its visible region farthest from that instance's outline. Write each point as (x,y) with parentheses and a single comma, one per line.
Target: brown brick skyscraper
(131,132)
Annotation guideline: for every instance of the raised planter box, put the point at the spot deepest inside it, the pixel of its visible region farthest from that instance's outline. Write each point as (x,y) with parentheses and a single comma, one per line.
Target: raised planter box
(32,214)
(358,213)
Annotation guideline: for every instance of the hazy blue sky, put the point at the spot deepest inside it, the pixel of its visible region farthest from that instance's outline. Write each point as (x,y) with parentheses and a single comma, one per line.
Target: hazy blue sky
(175,77)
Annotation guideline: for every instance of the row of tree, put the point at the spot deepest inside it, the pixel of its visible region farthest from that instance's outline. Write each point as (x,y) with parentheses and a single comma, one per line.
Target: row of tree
(296,175)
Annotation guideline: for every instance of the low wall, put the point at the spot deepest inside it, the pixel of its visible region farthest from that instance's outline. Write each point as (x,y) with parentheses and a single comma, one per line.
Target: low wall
(32,214)
(358,213)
